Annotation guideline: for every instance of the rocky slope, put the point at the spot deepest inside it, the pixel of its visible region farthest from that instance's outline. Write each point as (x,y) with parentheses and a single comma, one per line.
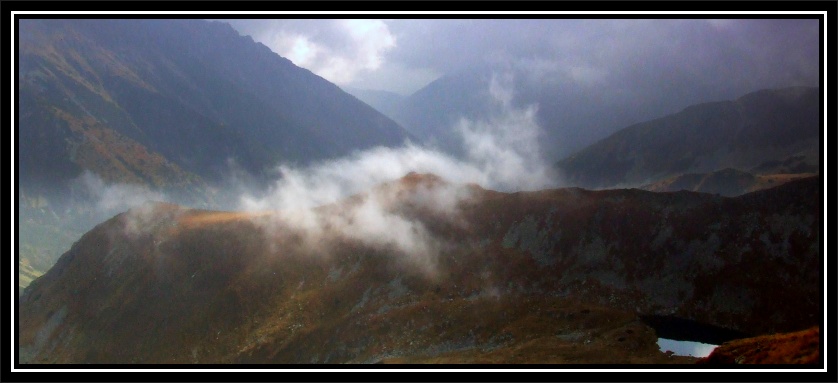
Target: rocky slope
(555,276)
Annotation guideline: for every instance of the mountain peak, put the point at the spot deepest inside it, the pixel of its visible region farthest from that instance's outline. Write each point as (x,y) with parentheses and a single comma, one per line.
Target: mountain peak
(414,179)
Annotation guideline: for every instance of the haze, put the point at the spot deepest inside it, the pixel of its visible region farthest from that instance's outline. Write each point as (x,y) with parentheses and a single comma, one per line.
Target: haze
(705,59)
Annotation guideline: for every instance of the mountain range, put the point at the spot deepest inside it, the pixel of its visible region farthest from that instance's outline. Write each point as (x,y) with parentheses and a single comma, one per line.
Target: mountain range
(573,110)
(703,225)
(760,135)
(553,276)
(185,108)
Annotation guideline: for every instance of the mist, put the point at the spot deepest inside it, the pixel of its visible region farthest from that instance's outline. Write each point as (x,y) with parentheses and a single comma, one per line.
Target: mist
(711,58)
(501,153)
(111,199)
(361,197)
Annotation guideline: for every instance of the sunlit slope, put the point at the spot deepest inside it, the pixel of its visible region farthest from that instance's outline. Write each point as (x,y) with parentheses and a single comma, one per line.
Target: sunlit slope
(799,347)
(555,276)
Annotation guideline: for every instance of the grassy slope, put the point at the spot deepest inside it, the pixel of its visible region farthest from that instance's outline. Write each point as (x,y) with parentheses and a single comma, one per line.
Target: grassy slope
(799,347)
(212,287)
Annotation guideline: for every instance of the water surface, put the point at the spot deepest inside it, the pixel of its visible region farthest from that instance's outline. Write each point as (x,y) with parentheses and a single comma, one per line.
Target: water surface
(685,347)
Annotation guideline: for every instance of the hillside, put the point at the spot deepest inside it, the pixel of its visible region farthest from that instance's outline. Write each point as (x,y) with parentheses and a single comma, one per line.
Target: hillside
(572,110)
(762,132)
(727,182)
(799,347)
(186,108)
(388,103)
(432,113)
(153,101)
(554,276)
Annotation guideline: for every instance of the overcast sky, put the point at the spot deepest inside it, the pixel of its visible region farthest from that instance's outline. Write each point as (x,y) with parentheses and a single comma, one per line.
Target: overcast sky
(404,55)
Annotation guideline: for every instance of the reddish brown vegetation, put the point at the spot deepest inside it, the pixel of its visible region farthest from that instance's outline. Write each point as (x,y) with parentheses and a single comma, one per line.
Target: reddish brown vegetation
(727,182)
(555,276)
(801,347)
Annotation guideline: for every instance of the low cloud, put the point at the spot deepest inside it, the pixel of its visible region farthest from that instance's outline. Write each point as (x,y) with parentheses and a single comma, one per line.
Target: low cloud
(114,198)
(501,153)
(337,50)
(106,200)
(672,62)
(366,197)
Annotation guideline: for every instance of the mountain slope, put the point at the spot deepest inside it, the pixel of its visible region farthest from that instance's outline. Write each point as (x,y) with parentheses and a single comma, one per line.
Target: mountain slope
(193,92)
(431,113)
(800,347)
(188,108)
(555,276)
(383,101)
(576,107)
(756,131)
(727,182)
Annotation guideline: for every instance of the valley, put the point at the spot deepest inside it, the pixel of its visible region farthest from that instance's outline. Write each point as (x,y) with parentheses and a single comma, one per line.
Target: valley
(537,193)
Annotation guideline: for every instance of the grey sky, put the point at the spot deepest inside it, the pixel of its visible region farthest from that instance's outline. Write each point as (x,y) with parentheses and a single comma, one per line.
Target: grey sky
(404,55)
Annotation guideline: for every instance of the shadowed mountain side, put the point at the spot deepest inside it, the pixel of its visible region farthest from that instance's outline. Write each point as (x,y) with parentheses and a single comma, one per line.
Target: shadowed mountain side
(167,284)
(192,92)
(726,182)
(187,108)
(385,102)
(770,131)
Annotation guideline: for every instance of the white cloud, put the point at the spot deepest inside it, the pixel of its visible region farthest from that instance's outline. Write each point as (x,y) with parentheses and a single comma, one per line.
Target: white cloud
(117,197)
(502,153)
(361,46)
(373,39)
(110,199)
(302,51)
(646,55)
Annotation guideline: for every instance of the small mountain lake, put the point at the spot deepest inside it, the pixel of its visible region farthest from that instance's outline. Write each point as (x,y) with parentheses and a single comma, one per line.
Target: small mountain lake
(688,337)
(686,348)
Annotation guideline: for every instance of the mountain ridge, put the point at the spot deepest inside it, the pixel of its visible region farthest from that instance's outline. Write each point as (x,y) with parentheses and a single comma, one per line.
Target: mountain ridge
(750,132)
(212,90)
(247,288)
(185,108)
